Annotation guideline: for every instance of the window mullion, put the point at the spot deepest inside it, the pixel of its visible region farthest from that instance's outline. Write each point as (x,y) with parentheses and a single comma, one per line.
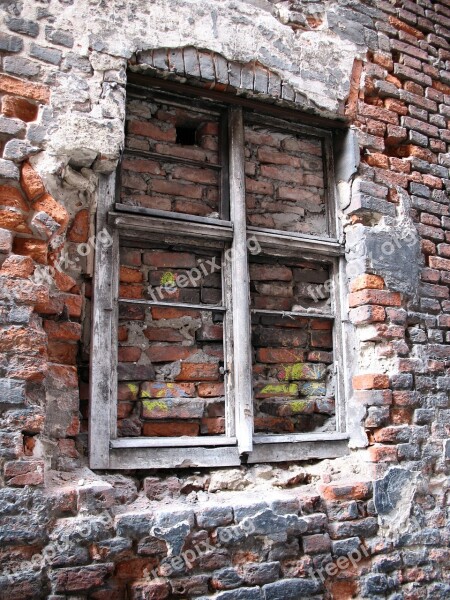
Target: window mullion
(242,370)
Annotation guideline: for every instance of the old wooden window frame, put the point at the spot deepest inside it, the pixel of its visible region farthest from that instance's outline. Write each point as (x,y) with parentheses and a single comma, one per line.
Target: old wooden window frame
(107,451)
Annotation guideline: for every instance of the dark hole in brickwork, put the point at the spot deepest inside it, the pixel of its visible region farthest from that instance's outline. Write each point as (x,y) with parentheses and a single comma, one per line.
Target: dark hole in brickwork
(170,358)
(186,136)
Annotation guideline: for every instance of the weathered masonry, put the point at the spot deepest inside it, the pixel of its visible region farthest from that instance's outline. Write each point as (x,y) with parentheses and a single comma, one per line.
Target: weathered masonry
(224,300)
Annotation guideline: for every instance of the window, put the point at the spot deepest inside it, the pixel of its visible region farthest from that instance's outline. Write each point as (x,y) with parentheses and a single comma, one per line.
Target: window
(216,321)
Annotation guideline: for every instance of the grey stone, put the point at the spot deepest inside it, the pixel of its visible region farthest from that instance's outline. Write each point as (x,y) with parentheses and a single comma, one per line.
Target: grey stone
(363,203)
(12,392)
(50,55)
(388,491)
(386,89)
(242,594)
(226,579)
(419,189)
(418,138)
(375,584)
(10,43)
(215,516)
(8,170)
(206,66)
(345,547)
(134,525)
(19,150)
(58,36)
(23,26)
(290,589)
(174,536)
(260,573)
(11,445)
(11,127)
(131,372)
(21,66)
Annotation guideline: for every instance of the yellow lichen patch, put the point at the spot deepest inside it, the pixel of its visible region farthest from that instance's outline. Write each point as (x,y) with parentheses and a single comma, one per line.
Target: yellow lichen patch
(298,406)
(150,405)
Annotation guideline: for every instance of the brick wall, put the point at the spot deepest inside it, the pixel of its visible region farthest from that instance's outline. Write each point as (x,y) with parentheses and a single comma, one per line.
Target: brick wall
(99,535)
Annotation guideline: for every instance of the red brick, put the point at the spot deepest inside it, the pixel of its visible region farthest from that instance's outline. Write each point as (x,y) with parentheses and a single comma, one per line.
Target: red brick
(406,28)
(212,426)
(173,313)
(198,372)
(62,330)
(439,263)
(168,353)
(317,543)
(128,275)
(173,188)
(124,409)
(73,304)
(141,165)
(163,334)
(260,272)
(26,89)
(279,355)
(170,429)
(13,221)
(321,339)
(373,397)
(196,175)
(150,590)
(381,453)
(67,447)
(210,390)
(148,129)
(59,352)
(17,266)
(367,314)
(129,354)
(79,230)
(358,490)
(131,291)
(158,389)
(175,260)
(19,108)
(366,281)
(12,197)
(57,212)
(380,297)
(31,182)
(21,340)
(274,424)
(377,160)
(64,282)
(376,112)
(84,578)
(370,381)
(22,472)
(396,106)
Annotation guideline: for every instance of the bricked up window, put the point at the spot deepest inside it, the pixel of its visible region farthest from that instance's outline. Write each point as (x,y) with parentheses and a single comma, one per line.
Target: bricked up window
(219,296)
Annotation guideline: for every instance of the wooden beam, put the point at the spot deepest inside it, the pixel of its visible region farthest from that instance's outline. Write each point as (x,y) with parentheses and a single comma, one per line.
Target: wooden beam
(173,442)
(166,214)
(103,351)
(144,227)
(240,277)
(174,458)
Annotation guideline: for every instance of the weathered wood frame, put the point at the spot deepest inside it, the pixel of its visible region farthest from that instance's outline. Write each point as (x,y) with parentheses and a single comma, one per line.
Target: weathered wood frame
(240,444)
